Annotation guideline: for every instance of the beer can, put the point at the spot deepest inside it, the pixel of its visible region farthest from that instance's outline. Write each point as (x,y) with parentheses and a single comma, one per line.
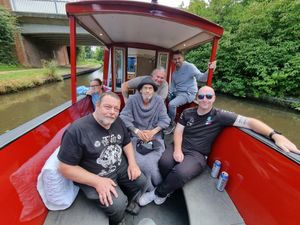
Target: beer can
(223,178)
(216,168)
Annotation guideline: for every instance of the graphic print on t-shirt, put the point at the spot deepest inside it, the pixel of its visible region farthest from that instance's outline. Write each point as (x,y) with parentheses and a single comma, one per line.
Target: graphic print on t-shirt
(110,156)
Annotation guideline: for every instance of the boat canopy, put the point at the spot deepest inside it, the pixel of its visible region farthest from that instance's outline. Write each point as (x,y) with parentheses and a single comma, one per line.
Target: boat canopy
(115,22)
(138,37)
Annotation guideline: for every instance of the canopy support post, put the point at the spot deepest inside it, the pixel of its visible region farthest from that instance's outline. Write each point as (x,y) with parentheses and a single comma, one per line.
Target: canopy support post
(213,56)
(72,23)
(105,66)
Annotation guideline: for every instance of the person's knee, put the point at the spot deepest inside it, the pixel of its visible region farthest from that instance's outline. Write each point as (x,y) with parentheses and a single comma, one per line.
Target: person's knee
(186,174)
(172,104)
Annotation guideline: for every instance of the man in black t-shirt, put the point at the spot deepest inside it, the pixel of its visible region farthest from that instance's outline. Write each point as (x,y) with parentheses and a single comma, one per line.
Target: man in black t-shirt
(91,154)
(194,134)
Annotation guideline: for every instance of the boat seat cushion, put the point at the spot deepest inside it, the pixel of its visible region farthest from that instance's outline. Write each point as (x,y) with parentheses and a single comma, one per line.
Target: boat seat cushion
(56,191)
(206,205)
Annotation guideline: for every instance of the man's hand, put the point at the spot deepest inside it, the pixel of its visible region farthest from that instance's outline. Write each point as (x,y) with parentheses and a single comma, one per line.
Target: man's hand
(285,144)
(90,92)
(178,156)
(212,65)
(143,135)
(105,188)
(150,134)
(133,171)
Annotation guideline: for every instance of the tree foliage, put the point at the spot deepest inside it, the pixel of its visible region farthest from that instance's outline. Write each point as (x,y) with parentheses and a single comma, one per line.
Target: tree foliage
(259,53)
(7,29)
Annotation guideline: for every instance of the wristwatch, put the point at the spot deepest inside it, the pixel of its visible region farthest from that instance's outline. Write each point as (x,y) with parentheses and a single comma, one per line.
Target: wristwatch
(272,133)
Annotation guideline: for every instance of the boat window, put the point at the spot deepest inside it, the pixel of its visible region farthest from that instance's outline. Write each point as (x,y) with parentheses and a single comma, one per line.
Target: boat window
(131,67)
(119,67)
(140,62)
(163,59)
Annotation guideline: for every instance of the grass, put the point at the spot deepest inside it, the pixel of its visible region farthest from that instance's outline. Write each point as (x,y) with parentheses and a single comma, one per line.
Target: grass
(10,67)
(89,63)
(28,73)
(17,78)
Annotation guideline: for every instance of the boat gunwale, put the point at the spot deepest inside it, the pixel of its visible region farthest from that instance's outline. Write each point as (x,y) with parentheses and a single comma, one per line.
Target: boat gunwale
(290,155)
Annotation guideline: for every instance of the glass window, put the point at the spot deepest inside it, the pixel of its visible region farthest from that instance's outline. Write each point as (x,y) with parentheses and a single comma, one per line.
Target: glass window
(131,64)
(163,59)
(119,67)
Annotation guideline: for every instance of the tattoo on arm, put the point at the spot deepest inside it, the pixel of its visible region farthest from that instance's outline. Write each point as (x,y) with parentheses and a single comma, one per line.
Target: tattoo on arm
(241,121)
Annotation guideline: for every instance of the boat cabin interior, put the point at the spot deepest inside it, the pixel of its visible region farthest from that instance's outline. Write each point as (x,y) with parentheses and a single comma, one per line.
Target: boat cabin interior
(263,186)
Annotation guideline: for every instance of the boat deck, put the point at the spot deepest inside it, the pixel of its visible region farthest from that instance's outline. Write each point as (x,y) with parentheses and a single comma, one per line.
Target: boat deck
(84,212)
(206,205)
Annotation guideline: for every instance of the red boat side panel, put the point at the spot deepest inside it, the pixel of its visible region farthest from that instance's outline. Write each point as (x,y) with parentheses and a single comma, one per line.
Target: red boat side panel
(263,184)
(20,164)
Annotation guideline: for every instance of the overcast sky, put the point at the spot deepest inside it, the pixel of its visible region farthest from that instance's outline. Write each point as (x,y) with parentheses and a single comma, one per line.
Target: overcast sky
(172,3)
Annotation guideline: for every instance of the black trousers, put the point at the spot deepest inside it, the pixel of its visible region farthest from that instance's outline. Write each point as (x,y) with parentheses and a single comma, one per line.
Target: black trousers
(175,174)
(127,191)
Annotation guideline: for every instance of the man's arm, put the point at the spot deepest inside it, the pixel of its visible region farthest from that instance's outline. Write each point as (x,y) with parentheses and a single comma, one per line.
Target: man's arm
(124,88)
(104,186)
(262,128)
(133,169)
(164,91)
(178,134)
(202,77)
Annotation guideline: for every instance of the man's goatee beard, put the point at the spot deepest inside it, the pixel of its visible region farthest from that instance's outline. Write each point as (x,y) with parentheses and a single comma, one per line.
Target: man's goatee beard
(147,98)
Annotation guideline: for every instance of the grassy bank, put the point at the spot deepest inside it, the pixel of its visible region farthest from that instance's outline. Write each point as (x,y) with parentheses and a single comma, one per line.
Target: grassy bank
(17,78)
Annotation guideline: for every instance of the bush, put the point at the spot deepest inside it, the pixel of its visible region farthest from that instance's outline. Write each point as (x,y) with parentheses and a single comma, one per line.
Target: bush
(7,29)
(50,69)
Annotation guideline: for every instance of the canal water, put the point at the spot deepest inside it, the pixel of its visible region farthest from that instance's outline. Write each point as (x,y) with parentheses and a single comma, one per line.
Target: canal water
(17,108)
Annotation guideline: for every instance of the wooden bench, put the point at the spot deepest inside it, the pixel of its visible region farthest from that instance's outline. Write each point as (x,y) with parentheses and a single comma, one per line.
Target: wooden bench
(81,212)
(206,205)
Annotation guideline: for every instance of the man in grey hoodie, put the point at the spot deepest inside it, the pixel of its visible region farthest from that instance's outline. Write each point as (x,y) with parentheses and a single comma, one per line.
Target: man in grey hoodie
(145,114)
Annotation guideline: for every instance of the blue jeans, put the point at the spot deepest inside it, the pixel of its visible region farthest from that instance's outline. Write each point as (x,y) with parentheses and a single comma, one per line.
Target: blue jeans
(180,99)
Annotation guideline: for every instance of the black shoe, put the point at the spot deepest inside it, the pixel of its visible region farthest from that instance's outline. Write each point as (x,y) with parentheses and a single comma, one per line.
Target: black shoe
(133,208)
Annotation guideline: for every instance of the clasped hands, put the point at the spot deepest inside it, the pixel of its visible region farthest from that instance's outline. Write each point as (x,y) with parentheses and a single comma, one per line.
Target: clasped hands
(146,135)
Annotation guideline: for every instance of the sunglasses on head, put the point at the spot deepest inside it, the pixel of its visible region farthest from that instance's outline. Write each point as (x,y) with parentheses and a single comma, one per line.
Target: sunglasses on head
(208,96)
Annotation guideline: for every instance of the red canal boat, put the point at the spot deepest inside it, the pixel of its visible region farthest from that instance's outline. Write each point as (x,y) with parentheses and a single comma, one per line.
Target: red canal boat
(264,185)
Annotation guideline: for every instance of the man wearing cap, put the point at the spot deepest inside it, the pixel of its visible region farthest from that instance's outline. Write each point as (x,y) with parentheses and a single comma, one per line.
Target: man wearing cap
(145,115)
(158,76)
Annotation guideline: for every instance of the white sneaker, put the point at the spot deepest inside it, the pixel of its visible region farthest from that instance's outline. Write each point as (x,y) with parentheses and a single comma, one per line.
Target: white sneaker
(159,200)
(147,197)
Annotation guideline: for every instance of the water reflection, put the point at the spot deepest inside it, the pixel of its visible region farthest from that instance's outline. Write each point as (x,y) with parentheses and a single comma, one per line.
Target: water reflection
(15,109)
(285,121)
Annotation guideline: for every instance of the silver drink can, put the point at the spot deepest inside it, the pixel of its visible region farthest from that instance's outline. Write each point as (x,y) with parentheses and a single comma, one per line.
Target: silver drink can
(222,181)
(216,168)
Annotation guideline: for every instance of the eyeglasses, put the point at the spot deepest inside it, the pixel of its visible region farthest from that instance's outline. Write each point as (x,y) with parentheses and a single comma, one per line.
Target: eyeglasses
(94,86)
(208,96)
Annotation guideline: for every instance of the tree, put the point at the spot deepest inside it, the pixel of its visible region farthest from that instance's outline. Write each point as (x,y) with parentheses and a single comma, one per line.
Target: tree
(7,29)
(99,53)
(259,51)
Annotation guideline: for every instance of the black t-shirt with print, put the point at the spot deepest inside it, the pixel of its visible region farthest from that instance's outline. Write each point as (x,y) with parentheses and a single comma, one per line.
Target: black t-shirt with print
(89,145)
(200,131)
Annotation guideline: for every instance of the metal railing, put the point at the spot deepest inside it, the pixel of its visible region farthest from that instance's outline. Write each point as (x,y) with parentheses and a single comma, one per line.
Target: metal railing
(39,6)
